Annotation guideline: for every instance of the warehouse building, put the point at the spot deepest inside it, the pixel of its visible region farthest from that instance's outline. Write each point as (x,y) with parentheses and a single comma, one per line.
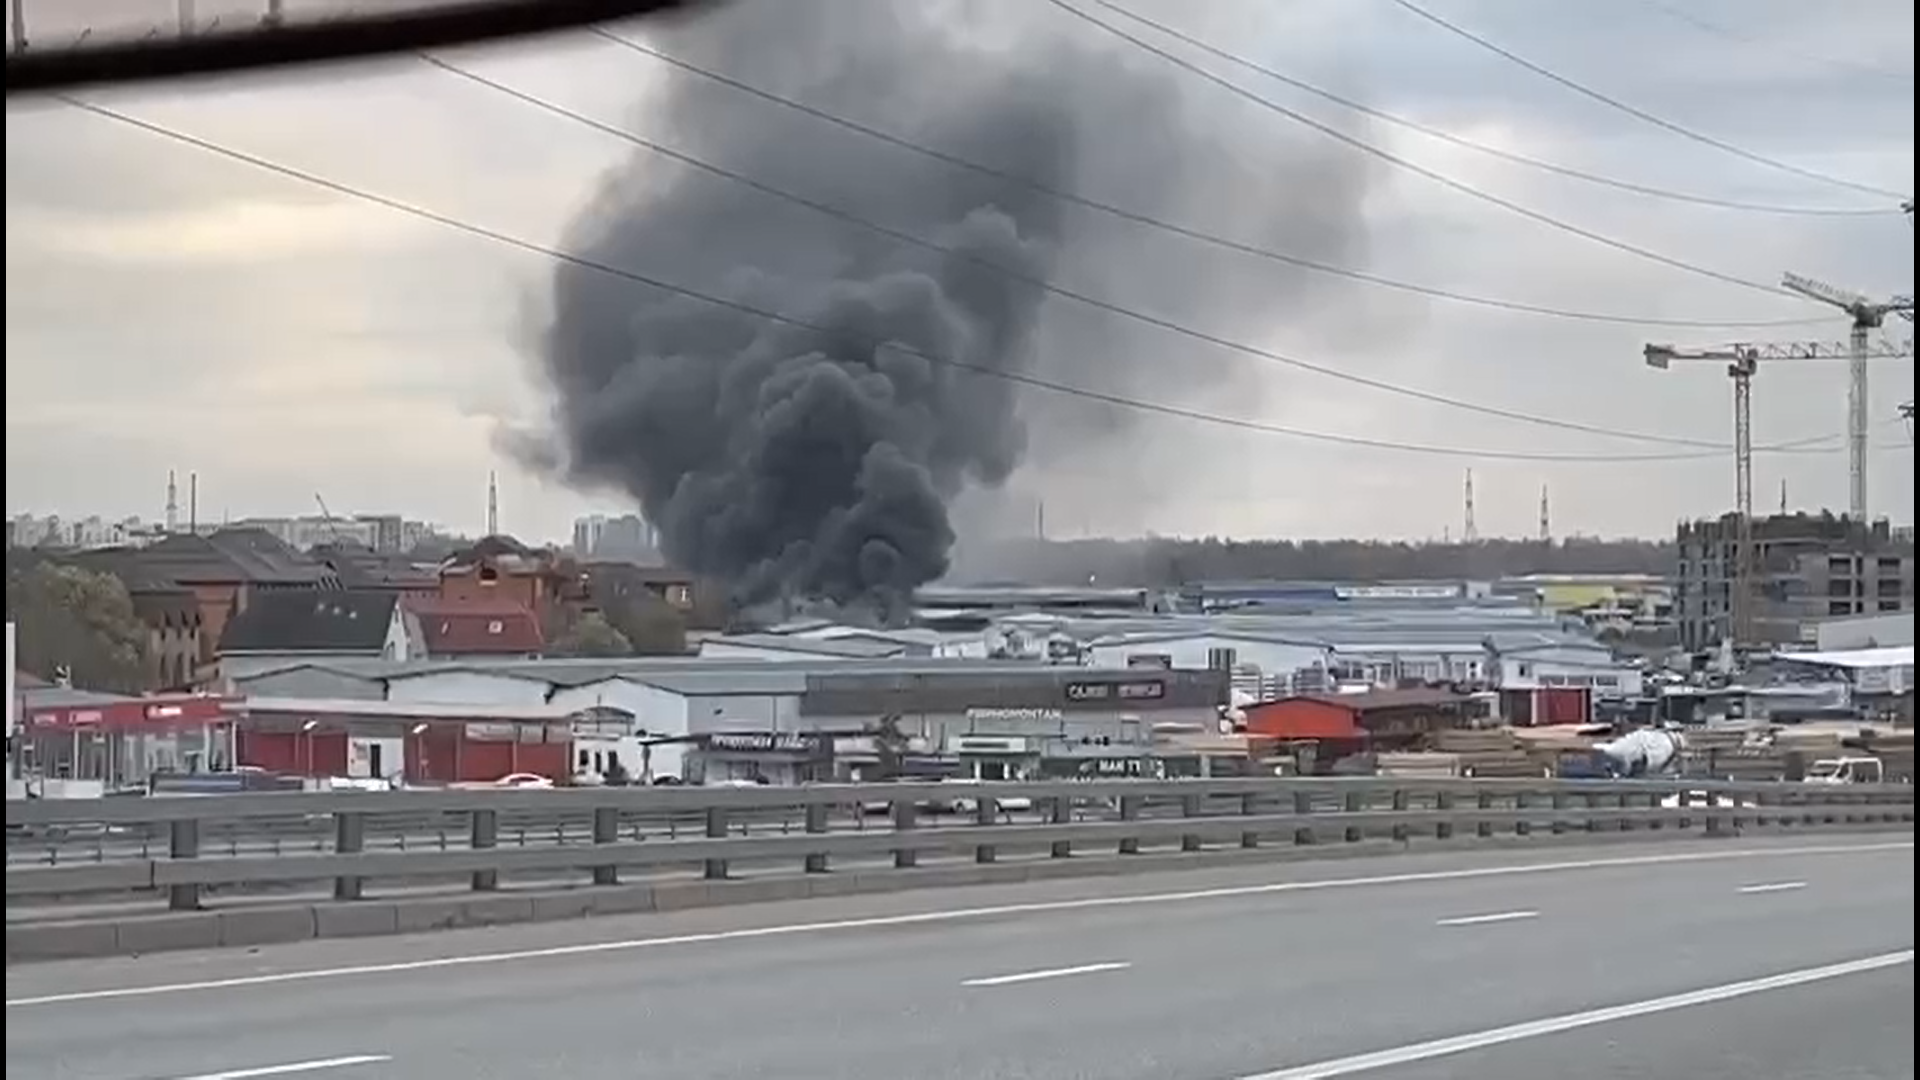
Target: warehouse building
(796,720)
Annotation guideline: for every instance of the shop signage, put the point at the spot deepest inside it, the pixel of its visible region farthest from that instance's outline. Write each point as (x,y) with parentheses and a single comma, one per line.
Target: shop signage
(1039,715)
(760,742)
(1395,592)
(990,744)
(1114,767)
(1130,690)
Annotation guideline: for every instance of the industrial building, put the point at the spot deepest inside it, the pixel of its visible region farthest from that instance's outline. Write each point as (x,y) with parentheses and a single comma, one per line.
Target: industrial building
(706,721)
(1807,567)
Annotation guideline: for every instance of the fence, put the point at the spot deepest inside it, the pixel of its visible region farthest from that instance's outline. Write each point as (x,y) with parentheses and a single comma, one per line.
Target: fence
(595,835)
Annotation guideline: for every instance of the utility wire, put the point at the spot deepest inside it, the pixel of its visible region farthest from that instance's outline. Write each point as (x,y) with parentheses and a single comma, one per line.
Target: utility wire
(1421,170)
(1641,114)
(1449,137)
(1036,382)
(1189,233)
(659,285)
(847,217)
(1679,14)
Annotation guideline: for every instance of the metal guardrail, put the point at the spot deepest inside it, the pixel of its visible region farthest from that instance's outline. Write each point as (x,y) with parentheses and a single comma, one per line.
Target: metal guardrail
(1067,817)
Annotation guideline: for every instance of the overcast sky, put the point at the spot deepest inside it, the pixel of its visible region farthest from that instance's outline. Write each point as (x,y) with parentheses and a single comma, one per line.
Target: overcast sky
(167,308)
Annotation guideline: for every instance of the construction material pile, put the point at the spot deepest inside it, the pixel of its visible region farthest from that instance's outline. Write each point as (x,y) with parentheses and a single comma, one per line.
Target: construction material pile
(1732,753)
(1492,752)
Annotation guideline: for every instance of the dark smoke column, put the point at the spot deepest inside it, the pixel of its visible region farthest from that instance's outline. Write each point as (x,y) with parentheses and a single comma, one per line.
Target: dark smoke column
(790,462)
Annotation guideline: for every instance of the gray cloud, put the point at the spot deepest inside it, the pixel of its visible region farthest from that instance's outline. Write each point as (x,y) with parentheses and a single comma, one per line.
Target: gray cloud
(107,356)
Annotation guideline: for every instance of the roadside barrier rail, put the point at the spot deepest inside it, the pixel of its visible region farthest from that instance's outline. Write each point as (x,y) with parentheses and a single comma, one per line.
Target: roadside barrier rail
(596,833)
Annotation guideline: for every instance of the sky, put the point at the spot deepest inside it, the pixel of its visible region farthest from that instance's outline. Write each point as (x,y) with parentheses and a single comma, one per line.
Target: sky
(168,308)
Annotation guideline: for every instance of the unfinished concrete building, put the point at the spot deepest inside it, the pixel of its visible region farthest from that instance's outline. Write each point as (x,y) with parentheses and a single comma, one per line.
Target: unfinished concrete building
(1807,567)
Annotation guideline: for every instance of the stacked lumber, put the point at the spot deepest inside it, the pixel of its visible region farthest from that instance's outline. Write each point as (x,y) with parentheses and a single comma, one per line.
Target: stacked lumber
(1487,752)
(1418,766)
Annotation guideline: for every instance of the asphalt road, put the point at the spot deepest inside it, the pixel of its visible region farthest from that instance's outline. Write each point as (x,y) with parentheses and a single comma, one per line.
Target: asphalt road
(1761,960)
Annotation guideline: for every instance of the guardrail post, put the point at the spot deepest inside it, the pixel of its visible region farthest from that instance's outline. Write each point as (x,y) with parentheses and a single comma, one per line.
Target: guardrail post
(1400,807)
(183,842)
(1061,814)
(1190,808)
(816,862)
(1303,808)
(349,838)
(484,835)
(1249,807)
(904,821)
(985,812)
(1129,811)
(715,869)
(1483,828)
(1522,805)
(1443,802)
(606,830)
(1355,803)
(1558,826)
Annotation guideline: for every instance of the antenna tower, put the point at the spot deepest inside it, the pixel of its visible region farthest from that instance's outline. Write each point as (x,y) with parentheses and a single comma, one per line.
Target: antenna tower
(1546,517)
(493,504)
(1469,532)
(173,501)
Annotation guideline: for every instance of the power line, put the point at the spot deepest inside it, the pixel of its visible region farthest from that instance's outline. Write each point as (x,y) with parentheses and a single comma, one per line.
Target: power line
(1036,382)
(1421,170)
(1449,137)
(1187,232)
(1679,14)
(1641,114)
(847,217)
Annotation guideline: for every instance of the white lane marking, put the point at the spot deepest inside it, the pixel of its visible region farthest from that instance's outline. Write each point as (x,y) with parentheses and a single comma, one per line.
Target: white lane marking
(293,1067)
(1051,973)
(753,933)
(1482,920)
(1533,1029)
(1772,887)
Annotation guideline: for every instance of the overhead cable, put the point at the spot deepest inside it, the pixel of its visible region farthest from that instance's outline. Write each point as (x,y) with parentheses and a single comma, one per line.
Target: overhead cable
(1641,114)
(660,285)
(1197,235)
(1416,168)
(1449,137)
(1679,14)
(1169,325)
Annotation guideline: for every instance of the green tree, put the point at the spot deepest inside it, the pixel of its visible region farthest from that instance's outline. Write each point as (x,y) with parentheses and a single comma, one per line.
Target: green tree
(591,635)
(79,620)
(649,624)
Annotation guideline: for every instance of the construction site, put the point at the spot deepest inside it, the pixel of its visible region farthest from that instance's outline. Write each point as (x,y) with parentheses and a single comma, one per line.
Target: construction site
(1746,584)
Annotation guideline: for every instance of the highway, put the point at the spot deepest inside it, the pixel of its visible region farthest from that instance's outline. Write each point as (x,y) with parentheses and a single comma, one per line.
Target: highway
(1772,959)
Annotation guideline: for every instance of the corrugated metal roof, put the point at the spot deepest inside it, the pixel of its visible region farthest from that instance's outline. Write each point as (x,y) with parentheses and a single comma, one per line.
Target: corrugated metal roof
(851,647)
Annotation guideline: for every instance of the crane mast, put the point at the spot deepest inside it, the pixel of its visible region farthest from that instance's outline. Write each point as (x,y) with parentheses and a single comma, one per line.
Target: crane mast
(1743,362)
(1868,316)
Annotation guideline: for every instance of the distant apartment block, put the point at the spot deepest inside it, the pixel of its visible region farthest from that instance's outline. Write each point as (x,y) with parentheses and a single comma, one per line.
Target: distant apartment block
(624,537)
(79,534)
(384,533)
(1806,568)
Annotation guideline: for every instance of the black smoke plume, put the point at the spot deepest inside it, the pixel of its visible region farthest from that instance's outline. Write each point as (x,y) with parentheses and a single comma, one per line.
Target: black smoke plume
(799,464)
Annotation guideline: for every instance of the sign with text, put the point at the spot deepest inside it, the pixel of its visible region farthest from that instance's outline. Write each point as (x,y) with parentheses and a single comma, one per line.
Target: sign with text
(1129,690)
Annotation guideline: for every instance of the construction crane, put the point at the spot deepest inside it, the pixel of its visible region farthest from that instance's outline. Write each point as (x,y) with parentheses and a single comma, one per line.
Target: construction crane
(1867,316)
(1742,361)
